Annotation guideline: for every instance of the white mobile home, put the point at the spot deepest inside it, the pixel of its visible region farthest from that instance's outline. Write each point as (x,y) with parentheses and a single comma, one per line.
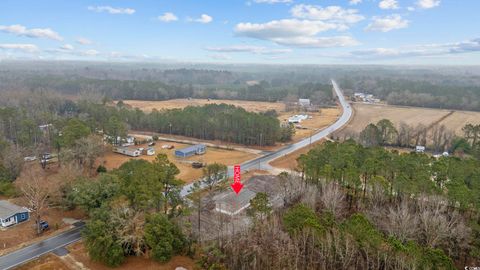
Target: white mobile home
(127,151)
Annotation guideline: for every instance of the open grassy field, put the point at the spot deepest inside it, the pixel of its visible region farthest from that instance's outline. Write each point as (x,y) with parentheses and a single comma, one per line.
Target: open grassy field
(187,173)
(368,113)
(252,106)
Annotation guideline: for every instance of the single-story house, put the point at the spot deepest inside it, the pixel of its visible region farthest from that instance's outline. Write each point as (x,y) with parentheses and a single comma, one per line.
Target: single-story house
(198,149)
(232,204)
(11,214)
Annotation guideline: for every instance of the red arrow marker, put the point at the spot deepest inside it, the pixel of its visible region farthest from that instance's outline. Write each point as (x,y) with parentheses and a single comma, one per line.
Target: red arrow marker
(237,185)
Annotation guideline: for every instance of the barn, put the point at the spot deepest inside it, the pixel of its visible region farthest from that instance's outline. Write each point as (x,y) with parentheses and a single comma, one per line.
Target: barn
(198,149)
(11,214)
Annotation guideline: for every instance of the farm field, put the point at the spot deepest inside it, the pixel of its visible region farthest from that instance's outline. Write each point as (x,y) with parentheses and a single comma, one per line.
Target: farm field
(187,173)
(368,113)
(252,106)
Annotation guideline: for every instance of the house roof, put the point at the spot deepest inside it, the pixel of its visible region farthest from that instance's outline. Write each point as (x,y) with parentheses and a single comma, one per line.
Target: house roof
(191,148)
(231,204)
(8,209)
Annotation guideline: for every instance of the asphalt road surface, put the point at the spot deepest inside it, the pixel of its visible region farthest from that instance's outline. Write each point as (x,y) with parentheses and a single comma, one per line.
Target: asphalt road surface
(36,250)
(59,241)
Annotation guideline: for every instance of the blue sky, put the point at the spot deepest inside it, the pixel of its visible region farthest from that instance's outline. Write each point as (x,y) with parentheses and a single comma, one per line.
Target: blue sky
(244,31)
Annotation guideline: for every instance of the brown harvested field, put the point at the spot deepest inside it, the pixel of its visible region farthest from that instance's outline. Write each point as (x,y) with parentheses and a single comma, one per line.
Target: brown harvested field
(187,173)
(368,113)
(79,254)
(252,106)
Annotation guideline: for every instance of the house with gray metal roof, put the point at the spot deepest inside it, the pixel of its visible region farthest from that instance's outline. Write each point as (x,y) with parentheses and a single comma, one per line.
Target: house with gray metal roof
(11,214)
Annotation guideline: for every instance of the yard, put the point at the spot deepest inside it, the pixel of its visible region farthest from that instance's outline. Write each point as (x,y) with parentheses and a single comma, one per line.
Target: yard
(187,173)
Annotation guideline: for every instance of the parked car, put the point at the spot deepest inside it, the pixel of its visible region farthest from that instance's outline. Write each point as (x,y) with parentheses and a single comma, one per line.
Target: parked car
(167,146)
(197,165)
(152,144)
(44,225)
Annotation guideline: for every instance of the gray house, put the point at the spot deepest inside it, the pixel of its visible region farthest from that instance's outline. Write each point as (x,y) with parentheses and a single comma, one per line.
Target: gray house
(11,214)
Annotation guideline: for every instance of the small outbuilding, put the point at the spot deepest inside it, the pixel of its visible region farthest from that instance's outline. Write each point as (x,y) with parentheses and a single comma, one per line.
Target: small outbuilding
(304,102)
(198,149)
(11,214)
(420,149)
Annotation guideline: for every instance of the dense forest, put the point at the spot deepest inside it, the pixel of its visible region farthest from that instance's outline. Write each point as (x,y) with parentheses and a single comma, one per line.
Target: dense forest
(450,88)
(394,90)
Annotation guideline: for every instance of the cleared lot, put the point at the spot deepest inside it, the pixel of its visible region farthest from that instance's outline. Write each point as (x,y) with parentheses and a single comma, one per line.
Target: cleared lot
(187,173)
(367,113)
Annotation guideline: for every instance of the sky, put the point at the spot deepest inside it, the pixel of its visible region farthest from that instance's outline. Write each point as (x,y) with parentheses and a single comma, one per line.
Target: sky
(417,32)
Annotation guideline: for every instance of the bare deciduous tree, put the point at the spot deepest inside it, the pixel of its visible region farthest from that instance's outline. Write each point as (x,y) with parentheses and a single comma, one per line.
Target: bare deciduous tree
(35,191)
(332,198)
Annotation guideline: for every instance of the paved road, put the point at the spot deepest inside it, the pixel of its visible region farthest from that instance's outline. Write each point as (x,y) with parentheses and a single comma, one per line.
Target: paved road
(36,250)
(262,162)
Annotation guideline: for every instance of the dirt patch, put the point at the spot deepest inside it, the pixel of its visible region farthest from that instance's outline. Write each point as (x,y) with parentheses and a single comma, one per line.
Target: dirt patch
(187,173)
(252,106)
(47,262)
(289,162)
(24,233)
(367,113)
(79,253)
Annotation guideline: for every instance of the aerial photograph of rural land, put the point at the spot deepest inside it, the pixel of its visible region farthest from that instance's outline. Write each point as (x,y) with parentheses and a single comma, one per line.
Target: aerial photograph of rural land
(239,134)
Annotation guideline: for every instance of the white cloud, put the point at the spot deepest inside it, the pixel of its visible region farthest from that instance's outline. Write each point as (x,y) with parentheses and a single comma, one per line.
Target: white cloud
(91,53)
(472,45)
(355,2)
(387,23)
(112,10)
(411,8)
(248,49)
(204,18)
(220,56)
(168,17)
(426,4)
(388,4)
(83,41)
(21,30)
(30,48)
(67,47)
(272,1)
(294,32)
(330,13)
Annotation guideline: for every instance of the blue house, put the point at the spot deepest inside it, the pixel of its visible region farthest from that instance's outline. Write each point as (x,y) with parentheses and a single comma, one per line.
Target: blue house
(198,149)
(11,214)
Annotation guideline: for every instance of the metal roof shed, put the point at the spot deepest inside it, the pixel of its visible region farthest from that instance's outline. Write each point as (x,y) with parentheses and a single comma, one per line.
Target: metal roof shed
(197,149)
